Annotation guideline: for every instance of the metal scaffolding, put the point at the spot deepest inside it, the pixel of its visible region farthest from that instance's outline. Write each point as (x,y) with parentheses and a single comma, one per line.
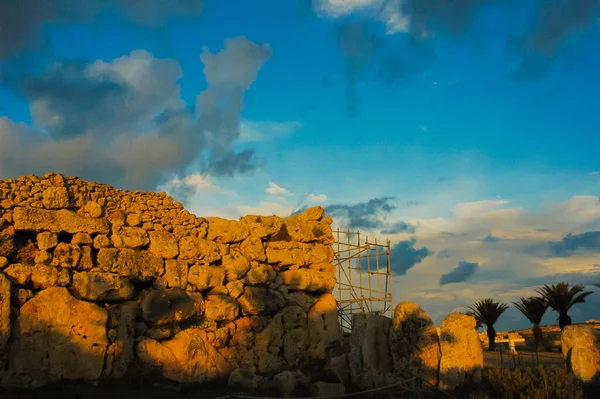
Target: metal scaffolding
(363,276)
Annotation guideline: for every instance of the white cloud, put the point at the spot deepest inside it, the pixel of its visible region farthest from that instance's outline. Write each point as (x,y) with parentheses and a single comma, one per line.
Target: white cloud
(387,11)
(196,182)
(317,198)
(266,130)
(274,189)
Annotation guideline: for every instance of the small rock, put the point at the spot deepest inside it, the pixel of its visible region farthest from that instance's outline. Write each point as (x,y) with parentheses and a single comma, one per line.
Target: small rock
(320,388)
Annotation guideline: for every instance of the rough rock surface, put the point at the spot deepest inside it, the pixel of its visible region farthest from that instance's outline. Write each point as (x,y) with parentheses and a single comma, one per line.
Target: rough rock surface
(461,350)
(414,343)
(581,349)
(323,326)
(57,337)
(5,327)
(130,282)
(187,358)
(370,358)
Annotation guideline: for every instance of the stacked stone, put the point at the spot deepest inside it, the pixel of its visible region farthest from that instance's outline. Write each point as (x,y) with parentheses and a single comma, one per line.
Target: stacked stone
(98,280)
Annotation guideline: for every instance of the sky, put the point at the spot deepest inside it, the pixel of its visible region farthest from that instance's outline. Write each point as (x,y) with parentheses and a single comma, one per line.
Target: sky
(466,132)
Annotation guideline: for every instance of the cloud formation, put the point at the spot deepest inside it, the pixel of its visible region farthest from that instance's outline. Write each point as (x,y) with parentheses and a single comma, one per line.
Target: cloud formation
(461,273)
(553,22)
(405,256)
(21,22)
(274,189)
(572,243)
(399,227)
(123,122)
(363,214)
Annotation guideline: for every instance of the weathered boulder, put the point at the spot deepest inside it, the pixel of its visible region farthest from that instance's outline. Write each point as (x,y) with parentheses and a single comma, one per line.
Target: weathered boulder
(226,231)
(204,277)
(285,383)
(285,254)
(263,227)
(253,249)
(176,273)
(340,366)
(120,355)
(326,389)
(66,255)
(186,358)
(323,326)
(163,243)
(137,265)
(414,343)
(56,337)
(370,358)
(260,274)
(46,240)
(130,237)
(268,344)
(169,305)
(38,220)
(94,286)
(56,198)
(244,380)
(5,295)
(221,308)
(308,280)
(199,249)
(581,349)
(236,265)
(462,353)
(260,300)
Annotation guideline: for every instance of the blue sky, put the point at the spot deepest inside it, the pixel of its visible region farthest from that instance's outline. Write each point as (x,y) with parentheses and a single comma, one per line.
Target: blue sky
(463,120)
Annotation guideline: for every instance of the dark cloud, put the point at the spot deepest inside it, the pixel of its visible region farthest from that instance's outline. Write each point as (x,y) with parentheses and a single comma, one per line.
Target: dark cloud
(461,273)
(571,243)
(358,43)
(430,17)
(363,214)
(443,254)
(405,256)
(21,21)
(554,21)
(128,114)
(490,239)
(399,227)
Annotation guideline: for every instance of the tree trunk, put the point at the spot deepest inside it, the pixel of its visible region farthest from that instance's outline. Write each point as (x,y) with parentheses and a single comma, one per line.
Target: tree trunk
(538,337)
(564,320)
(491,333)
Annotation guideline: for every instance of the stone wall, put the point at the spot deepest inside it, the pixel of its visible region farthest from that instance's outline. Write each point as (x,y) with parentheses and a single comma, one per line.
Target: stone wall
(99,283)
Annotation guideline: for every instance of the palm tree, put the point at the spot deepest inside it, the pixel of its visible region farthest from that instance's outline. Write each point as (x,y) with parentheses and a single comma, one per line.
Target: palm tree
(534,308)
(561,298)
(487,312)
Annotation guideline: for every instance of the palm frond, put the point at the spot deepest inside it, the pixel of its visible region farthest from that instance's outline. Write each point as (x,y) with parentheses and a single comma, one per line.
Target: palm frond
(487,311)
(561,298)
(533,308)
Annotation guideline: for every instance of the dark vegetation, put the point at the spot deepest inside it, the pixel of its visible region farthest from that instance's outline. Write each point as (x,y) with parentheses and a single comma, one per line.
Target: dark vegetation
(560,298)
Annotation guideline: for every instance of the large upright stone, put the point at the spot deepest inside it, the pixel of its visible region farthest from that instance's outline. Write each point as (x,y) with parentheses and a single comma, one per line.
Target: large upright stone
(462,353)
(56,337)
(581,349)
(370,359)
(38,220)
(121,353)
(323,326)
(5,287)
(414,343)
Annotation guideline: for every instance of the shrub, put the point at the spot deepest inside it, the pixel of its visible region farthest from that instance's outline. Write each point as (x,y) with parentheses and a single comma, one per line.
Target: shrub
(531,383)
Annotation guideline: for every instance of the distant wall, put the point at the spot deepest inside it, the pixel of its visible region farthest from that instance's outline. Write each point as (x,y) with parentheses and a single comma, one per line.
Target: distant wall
(97,283)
